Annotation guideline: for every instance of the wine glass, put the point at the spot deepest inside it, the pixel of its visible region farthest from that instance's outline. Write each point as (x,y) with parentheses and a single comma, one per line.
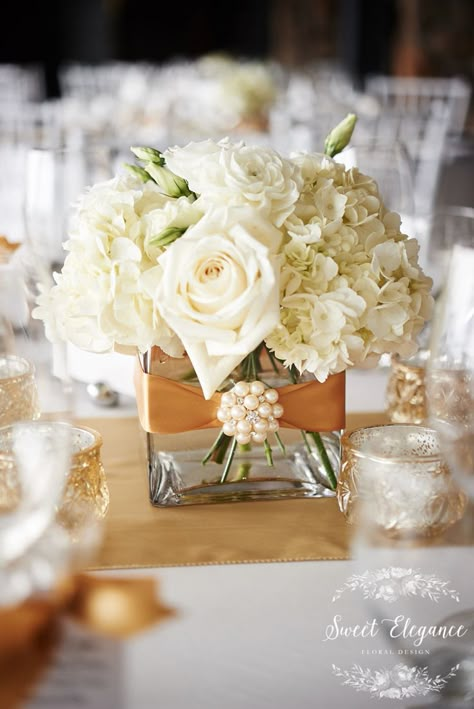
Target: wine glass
(36,447)
(450,369)
(389,164)
(443,228)
(54,180)
(450,392)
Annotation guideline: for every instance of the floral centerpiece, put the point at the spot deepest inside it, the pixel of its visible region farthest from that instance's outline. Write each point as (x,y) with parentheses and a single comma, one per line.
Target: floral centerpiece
(240,262)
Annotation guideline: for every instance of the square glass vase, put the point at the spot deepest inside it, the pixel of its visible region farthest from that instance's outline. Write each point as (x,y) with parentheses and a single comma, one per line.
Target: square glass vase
(178,476)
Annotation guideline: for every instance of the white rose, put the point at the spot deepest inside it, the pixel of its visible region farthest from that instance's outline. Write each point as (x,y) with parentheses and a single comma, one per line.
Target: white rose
(236,174)
(219,290)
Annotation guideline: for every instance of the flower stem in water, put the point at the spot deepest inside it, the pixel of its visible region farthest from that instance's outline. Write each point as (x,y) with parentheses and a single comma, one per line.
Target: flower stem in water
(323,454)
(229,460)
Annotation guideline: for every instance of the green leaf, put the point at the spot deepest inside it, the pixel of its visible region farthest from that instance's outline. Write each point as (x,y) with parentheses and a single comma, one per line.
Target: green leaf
(340,136)
(167,236)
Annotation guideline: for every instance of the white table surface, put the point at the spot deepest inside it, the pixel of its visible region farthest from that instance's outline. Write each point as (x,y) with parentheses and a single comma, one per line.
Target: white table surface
(252,635)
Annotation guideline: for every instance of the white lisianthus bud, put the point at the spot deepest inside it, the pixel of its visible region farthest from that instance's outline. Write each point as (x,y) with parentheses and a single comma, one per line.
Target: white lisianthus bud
(340,136)
(138,171)
(148,155)
(171,184)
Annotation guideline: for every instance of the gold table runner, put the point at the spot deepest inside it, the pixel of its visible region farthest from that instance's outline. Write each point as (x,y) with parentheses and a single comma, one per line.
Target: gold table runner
(138,535)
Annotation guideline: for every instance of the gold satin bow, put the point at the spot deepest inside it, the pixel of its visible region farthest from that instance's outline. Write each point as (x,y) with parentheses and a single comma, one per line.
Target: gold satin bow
(167,406)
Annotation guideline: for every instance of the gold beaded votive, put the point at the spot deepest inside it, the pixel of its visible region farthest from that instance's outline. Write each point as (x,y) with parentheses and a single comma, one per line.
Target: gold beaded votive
(18,393)
(396,475)
(86,492)
(406,392)
(85,496)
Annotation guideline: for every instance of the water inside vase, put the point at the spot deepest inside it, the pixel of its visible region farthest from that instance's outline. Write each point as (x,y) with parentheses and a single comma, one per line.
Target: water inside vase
(177,475)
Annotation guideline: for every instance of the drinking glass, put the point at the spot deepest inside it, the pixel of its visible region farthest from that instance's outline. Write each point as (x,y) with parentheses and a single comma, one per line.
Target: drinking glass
(54,180)
(442,229)
(36,447)
(450,394)
(450,370)
(389,164)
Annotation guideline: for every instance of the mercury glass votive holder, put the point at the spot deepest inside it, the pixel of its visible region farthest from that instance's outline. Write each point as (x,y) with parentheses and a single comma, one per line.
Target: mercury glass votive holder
(397,472)
(406,391)
(85,495)
(18,393)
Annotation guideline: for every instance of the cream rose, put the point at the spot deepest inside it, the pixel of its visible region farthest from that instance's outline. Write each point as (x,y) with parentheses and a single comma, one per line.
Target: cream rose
(228,173)
(219,290)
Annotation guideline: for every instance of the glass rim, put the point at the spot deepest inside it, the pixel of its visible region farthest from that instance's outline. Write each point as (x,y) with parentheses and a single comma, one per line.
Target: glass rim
(96,436)
(27,371)
(405,364)
(347,444)
(97,439)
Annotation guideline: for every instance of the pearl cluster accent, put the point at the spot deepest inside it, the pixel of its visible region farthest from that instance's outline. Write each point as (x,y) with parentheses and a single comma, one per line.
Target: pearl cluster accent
(249,412)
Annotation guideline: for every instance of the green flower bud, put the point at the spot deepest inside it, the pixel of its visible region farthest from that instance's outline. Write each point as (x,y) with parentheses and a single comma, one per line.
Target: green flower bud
(167,236)
(135,170)
(340,136)
(148,155)
(170,183)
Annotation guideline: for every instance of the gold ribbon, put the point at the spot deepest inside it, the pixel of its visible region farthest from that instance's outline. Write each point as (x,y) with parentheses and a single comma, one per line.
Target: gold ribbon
(167,406)
(30,632)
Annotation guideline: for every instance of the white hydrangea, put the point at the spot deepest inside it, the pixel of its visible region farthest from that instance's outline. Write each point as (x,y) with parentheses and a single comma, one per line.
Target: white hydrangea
(102,297)
(351,286)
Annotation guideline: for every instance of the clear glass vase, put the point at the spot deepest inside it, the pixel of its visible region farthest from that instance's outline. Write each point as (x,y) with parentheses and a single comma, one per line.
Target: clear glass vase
(178,476)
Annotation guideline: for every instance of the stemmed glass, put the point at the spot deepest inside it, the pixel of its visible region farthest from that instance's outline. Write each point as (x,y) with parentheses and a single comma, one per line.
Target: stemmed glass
(391,167)
(54,179)
(389,164)
(37,443)
(450,396)
(450,370)
(445,227)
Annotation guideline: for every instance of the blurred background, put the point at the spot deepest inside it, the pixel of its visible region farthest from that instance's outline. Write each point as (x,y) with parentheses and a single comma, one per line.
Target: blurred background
(81,81)
(118,70)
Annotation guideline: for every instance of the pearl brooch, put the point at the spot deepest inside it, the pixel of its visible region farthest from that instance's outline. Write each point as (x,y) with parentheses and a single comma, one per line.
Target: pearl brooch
(250,412)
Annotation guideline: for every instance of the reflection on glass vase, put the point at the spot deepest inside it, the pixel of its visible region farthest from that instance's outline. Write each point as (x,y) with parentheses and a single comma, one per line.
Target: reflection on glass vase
(192,461)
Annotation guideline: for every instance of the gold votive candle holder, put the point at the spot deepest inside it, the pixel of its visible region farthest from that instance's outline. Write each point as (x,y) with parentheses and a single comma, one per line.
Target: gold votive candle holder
(85,496)
(406,389)
(18,393)
(396,474)
(86,493)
